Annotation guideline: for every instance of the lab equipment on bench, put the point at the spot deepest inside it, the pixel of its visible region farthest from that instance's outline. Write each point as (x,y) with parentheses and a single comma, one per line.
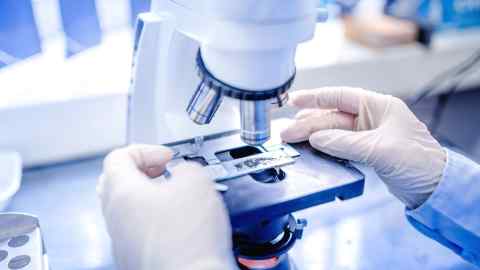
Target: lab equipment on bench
(21,243)
(206,75)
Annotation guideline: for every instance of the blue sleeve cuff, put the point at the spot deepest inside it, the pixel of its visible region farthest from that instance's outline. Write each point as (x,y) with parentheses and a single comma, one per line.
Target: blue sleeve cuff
(451,215)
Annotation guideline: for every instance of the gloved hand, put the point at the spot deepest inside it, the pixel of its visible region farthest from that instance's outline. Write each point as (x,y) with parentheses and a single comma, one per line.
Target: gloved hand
(375,129)
(179,223)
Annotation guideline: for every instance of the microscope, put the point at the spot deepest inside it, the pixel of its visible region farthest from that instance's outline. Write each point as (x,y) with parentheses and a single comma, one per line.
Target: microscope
(206,75)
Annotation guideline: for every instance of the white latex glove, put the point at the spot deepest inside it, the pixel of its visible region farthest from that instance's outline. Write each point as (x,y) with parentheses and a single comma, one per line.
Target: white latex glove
(179,223)
(375,129)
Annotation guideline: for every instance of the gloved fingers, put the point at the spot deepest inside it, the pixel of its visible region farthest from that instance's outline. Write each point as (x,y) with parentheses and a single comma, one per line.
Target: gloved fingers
(192,179)
(138,160)
(151,159)
(129,169)
(345,99)
(100,188)
(308,112)
(301,129)
(190,172)
(351,145)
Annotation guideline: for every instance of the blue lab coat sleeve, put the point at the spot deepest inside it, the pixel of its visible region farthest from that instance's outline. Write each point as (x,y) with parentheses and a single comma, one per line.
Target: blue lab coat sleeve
(451,215)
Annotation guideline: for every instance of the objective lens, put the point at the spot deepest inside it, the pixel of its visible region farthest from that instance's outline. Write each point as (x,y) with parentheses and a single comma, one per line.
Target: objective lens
(204,104)
(255,120)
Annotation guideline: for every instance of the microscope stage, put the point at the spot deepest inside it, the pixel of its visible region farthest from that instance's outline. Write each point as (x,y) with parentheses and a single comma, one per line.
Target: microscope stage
(273,180)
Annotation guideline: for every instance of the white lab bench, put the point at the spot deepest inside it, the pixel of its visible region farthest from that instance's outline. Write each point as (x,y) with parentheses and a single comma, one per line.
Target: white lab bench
(53,110)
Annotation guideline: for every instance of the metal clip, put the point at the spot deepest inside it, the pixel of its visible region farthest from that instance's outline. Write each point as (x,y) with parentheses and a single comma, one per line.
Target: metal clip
(281,100)
(301,224)
(197,143)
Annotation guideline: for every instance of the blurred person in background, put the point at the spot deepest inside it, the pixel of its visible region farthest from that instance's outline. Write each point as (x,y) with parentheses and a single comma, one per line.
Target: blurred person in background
(381,24)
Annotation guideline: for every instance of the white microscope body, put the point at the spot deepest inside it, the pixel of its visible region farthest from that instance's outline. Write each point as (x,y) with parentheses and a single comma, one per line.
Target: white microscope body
(247,47)
(192,55)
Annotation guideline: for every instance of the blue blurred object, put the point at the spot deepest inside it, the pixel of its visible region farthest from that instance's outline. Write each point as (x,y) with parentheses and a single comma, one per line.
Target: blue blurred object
(19,37)
(460,13)
(442,14)
(136,7)
(81,25)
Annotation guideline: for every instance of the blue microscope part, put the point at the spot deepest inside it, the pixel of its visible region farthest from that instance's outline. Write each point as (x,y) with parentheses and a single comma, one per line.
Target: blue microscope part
(260,204)
(81,25)
(19,37)
(314,179)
